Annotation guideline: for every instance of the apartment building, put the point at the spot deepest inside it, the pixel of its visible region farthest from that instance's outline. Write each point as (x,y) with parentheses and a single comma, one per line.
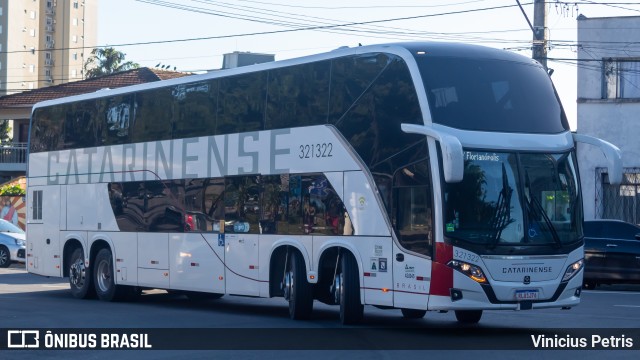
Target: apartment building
(44,42)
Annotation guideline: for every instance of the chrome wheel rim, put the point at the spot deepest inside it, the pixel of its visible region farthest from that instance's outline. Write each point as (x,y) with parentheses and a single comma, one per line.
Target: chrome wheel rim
(288,285)
(103,273)
(77,273)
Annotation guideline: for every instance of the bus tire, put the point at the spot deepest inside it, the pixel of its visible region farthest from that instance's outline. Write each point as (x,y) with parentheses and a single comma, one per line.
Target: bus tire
(300,292)
(5,257)
(351,308)
(104,280)
(413,313)
(468,316)
(80,279)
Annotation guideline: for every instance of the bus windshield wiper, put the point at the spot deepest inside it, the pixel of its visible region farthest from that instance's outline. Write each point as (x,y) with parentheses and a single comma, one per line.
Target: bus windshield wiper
(536,207)
(502,217)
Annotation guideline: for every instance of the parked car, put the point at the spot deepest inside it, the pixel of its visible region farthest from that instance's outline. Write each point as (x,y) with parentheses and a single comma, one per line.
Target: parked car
(612,252)
(12,244)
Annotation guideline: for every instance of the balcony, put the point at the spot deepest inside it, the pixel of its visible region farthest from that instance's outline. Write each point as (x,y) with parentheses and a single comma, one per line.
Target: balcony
(49,44)
(48,62)
(13,157)
(50,28)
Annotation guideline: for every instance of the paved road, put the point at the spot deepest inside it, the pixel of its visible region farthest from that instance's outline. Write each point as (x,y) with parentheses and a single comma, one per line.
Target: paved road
(30,301)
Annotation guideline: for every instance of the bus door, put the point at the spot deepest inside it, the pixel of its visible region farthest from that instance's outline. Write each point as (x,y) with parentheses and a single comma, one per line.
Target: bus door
(413,225)
(43,238)
(242,232)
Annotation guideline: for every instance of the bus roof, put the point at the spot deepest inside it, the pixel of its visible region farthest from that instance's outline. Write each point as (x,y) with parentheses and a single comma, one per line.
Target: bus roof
(404,50)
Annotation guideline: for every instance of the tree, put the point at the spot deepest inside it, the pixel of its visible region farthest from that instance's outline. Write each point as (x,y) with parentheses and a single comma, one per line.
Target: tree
(5,131)
(105,61)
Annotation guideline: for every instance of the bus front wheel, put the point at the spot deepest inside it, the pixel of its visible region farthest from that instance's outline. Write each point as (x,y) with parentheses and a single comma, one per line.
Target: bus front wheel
(297,290)
(80,276)
(351,309)
(468,316)
(413,314)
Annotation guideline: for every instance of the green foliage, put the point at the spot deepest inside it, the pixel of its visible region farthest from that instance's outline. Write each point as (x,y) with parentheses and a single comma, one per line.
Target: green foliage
(106,61)
(5,131)
(12,190)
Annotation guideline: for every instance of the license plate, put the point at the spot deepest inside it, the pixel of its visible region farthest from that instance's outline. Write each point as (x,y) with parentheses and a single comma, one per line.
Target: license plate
(527,294)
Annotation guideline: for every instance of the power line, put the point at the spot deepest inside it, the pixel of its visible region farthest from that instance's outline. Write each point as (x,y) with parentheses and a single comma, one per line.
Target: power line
(361,7)
(306,28)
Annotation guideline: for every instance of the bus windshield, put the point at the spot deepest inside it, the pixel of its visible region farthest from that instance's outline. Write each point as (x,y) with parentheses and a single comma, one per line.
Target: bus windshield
(490,95)
(508,198)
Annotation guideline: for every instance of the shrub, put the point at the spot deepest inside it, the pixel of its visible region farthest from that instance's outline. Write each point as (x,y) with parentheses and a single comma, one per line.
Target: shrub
(12,190)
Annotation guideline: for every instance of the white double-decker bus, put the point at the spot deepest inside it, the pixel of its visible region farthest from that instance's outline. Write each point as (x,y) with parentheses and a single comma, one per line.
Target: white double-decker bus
(418,176)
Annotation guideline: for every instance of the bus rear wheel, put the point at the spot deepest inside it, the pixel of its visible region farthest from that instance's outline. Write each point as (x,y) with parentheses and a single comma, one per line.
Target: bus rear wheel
(468,316)
(297,290)
(80,281)
(348,287)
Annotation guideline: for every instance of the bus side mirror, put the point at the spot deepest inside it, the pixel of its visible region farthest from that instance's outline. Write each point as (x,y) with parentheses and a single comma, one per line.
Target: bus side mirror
(452,155)
(611,153)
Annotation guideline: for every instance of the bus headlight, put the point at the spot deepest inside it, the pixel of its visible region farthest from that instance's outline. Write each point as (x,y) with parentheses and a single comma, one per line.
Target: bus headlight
(573,269)
(472,271)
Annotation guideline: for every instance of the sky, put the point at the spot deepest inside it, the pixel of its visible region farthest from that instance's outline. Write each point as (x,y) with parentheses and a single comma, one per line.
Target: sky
(193,35)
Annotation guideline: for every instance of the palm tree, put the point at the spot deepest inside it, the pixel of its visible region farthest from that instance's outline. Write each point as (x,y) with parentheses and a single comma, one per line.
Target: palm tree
(105,61)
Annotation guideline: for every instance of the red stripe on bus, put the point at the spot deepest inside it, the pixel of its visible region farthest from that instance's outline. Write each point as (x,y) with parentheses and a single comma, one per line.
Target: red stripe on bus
(441,274)
(399,291)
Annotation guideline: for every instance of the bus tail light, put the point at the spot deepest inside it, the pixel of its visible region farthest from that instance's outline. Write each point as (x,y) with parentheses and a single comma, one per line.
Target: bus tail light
(472,271)
(573,269)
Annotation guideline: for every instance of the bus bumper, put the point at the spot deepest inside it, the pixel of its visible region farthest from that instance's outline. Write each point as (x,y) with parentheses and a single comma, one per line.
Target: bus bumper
(470,295)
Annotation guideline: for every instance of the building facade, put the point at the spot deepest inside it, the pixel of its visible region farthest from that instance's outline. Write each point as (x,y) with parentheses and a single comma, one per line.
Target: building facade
(609,108)
(44,42)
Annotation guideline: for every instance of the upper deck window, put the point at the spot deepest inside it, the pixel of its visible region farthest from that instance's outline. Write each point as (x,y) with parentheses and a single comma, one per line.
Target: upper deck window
(491,95)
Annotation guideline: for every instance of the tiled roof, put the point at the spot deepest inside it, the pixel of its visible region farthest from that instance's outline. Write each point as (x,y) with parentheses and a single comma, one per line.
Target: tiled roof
(124,78)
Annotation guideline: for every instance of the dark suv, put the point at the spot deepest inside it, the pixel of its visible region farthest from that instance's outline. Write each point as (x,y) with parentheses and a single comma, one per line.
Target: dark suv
(612,252)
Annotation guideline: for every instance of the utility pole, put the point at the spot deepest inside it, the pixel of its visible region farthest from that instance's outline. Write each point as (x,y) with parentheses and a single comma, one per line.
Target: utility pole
(540,32)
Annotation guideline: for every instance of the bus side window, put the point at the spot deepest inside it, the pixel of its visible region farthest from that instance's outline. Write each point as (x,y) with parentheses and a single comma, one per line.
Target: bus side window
(165,206)
(242,205)
(274,194)
(204,205)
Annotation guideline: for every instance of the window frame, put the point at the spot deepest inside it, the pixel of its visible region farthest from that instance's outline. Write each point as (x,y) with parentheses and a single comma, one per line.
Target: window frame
(613,78)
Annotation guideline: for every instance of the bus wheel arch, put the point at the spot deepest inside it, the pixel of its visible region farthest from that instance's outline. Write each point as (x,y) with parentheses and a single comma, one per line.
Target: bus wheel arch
(75,267)
(297,290)
(339,273)
(277,262)
(70,247)
(104,275)
(288,278)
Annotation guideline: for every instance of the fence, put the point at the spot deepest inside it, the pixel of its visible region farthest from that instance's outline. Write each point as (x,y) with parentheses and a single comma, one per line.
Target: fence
(618,201)
(13,153)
